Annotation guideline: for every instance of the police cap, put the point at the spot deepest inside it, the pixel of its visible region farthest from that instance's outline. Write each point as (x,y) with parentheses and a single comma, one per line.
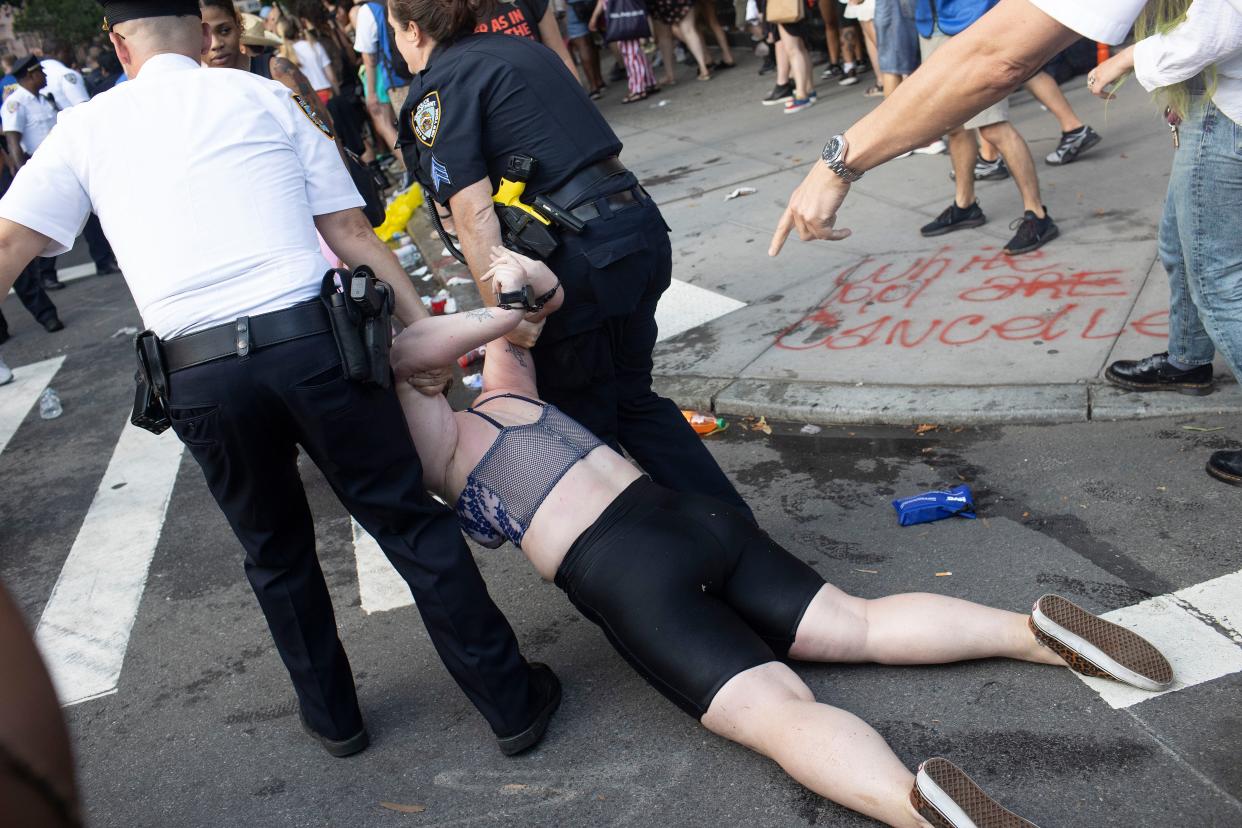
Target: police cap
(119,11)
(25,66)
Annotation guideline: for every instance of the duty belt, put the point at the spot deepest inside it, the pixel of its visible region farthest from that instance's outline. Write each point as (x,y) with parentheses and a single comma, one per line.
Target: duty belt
(245,334)
(575,194)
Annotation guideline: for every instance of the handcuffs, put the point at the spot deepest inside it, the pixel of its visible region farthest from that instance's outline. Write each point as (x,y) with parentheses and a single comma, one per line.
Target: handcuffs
(525,299)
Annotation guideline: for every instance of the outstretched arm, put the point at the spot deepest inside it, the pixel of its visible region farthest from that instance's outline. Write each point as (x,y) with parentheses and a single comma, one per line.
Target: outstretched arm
(437,341)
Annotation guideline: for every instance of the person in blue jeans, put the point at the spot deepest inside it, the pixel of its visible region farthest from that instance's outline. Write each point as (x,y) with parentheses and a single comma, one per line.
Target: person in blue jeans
(1199,242)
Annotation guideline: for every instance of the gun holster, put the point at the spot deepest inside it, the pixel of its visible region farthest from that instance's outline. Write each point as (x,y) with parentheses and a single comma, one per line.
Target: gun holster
(361,317)
(151,396)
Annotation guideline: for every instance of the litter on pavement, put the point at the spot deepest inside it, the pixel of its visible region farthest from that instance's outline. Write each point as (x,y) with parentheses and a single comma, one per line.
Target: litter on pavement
(739,192)
(929,506)
(704,424)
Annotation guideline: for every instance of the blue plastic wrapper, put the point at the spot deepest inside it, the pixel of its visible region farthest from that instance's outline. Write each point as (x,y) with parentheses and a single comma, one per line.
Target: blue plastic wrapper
(929,506)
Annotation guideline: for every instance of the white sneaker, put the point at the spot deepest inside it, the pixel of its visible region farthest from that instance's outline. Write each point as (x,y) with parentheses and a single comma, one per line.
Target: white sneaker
(934,148)
(6,376)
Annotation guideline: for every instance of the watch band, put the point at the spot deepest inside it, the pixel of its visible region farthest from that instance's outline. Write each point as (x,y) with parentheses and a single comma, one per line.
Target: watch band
(833,157)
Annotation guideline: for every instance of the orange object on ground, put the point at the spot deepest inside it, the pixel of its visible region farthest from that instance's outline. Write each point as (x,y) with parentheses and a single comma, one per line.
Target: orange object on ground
(704,424)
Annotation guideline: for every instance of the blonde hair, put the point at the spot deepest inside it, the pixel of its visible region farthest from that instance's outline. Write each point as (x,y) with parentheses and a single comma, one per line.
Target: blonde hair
(1160,17)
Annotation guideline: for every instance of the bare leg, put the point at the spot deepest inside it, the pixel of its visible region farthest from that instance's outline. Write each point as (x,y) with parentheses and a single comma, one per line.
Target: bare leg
(832,29)
(1017,157)
(962,148)
(873,54)
(707,8)
(799,64)
(664,40)
(914,628)
(782,63)
(850,51)
(986,150)
(831,751)
(688,31)
(890,82)
(589,58)
(1045,89)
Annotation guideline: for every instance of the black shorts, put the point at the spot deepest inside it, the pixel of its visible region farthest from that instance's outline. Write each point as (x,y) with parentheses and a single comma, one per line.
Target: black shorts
(688,590)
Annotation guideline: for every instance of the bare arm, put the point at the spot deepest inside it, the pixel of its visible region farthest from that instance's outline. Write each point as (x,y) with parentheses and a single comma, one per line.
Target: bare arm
(438,340)
(18,246)
(293,77)
(969,73)
(433,427)
(550,34)
(350,236)
(14,141)
(478,229)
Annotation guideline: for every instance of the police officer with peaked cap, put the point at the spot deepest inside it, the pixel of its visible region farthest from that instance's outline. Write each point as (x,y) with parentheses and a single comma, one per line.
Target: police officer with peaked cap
(215,229)
(476,101)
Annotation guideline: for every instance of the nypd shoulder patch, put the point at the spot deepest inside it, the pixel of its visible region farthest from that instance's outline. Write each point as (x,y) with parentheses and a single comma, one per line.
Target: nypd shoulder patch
(309,111)
(426,119)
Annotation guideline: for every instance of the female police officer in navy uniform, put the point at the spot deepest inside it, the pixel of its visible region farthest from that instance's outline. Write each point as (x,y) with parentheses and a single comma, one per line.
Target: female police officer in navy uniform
(476,101)
(215,228)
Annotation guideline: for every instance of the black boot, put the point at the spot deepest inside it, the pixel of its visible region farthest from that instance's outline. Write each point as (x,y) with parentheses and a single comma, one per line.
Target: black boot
(545,698)
(1156,374)
(1226,466)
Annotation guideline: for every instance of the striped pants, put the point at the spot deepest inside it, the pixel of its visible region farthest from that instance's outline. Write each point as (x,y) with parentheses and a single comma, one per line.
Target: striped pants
(637,66)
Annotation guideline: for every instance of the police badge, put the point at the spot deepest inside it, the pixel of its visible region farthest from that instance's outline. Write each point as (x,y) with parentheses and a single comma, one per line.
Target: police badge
(426,119)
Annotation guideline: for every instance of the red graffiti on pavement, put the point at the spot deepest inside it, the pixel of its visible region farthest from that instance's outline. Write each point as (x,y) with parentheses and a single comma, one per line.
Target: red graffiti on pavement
(867,298)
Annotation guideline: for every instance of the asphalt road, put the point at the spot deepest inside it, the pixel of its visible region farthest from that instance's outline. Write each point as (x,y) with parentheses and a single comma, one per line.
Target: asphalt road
(202,729)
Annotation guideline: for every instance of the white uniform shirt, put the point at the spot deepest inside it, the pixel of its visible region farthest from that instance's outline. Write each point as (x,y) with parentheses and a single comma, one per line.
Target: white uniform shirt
(206,181)
(31,115)
(1210,35)
(366,31)
(1106,21)
(63,84)
(313,59)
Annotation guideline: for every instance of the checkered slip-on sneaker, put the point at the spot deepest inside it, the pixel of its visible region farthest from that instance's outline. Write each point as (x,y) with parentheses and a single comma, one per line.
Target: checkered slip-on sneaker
(947,798)
(1099,648)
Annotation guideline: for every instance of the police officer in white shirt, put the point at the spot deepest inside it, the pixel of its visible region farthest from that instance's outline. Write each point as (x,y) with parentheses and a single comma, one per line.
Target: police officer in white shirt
(28,117)
(211,186)
(64,84)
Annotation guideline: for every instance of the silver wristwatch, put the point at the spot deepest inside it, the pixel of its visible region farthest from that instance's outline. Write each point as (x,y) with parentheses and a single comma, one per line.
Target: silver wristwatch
(834,158)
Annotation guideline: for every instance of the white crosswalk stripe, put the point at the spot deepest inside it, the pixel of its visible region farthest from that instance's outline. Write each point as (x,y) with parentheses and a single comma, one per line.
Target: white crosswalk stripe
(84,631)
(1184,625)
(380,588)
(684,306)
(18,397)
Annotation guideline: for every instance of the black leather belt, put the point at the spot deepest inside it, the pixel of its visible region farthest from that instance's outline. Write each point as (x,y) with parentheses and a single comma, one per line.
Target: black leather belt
(586,180)
(245,334)
(616,203)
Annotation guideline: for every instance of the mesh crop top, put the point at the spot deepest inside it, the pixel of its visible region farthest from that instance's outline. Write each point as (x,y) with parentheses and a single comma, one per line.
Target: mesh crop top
(511,481)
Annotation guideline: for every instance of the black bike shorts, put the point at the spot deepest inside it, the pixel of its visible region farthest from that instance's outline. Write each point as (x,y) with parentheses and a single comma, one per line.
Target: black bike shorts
(688,591)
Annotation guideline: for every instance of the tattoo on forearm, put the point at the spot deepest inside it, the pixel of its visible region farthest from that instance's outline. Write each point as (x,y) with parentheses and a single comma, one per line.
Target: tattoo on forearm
(518,353)
(480,315)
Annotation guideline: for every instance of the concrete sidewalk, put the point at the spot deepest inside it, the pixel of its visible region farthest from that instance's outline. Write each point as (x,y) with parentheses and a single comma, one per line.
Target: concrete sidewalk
(887,326)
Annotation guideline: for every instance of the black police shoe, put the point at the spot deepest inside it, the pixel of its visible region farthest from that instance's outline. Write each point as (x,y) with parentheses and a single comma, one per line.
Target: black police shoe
(1226,466)
(107,268)
(545,690)
(955,218)
(1033,233)
(1156,374)
(53,325)
(53,284)
(340,748)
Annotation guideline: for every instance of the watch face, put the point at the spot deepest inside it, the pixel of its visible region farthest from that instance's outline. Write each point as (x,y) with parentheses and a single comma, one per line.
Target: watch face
(832,150)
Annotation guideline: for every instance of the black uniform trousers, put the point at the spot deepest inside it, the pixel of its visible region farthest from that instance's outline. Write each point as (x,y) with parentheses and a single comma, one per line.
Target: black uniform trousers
(242,420)
(594,359)
(29,289)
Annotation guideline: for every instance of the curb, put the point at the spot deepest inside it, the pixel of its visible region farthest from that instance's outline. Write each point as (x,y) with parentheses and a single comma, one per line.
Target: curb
(904,405)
